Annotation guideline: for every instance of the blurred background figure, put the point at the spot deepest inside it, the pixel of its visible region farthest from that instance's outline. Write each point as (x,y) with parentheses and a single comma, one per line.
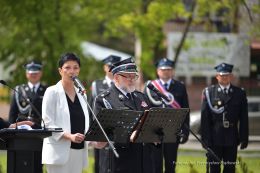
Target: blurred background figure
(33,90)
(176,92)
(97,87)
(224,119)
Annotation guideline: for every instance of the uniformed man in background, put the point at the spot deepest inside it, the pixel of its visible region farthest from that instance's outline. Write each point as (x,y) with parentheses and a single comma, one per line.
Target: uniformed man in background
(122,95)
(224,119)
(32,91)
(177,94)
(97,87)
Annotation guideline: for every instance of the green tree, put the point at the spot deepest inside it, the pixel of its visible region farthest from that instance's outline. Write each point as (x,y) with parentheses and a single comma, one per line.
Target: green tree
(43,30)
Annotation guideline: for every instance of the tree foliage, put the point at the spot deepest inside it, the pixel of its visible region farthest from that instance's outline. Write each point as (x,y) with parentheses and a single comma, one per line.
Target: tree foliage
(44,30)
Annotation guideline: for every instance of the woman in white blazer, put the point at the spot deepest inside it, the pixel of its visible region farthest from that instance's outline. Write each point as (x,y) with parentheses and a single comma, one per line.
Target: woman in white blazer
(63,107)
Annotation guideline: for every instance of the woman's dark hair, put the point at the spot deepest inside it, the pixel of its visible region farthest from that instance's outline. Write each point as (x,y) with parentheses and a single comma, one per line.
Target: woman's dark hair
(68,57)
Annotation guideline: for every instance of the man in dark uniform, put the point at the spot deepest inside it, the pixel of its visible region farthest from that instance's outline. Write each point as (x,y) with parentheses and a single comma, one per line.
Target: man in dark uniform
(20,109)
(133,157)
(224,119)
(176,92)
(97,87)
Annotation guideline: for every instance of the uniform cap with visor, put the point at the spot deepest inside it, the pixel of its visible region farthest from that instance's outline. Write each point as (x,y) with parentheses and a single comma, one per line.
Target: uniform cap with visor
(125,66)
(33,67)
(224,68)
(165,64)
(111,59)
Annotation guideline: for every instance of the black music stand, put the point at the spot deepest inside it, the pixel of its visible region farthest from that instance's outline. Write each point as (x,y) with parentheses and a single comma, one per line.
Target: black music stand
(161,125)
(118,125)
(22,146)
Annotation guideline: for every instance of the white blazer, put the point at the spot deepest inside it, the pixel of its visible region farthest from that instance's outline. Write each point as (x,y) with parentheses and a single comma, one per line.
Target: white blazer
(55,113)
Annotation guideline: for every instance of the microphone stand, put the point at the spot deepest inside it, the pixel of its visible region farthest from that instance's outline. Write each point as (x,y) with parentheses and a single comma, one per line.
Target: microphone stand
(27,101)
(82,91)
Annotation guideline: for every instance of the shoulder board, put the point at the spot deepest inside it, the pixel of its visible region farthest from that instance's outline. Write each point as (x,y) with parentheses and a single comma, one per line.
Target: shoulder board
(104,94)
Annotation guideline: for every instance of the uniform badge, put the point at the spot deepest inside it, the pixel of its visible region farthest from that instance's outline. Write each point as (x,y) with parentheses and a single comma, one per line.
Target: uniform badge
(219,103)
(144,104)
(40,88)
(121,97)
(216,107)
(26,88)
(219,89)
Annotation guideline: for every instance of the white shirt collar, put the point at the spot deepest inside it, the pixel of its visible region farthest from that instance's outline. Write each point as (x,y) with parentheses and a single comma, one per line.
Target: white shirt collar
(122,91)
(35,85)
(168,82)
(108,80)
(223,87)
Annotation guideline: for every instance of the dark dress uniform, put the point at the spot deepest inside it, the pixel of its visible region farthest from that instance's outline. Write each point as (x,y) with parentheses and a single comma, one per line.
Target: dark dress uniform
(178,90)
(224,129)
(97,87)
(178,94)
(133,157)
(20,109)
(224,120)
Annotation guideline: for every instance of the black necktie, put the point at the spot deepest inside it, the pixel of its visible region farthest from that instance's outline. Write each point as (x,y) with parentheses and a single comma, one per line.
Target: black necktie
(33,90)
(226,91)
(129,96)
(165,86)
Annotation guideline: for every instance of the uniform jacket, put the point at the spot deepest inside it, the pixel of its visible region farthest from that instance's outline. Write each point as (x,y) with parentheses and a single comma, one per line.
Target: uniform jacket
(178,90)
(235,110)
(133,158)
(98,86)
(55,113)
(20,107)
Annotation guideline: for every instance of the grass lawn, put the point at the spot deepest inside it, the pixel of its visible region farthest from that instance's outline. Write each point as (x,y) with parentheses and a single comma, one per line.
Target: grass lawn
(189,161)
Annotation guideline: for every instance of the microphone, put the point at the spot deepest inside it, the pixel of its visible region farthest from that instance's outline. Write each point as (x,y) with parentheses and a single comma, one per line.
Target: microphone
(3,82)
(78,84)
(27,100)
(152,87)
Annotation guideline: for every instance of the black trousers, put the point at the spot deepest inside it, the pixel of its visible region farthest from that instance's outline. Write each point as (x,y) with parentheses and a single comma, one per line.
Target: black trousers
(96,156)
(228,154)
(169,154)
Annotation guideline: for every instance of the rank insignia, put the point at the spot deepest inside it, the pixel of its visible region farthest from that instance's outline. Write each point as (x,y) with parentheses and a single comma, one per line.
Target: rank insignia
(144,104)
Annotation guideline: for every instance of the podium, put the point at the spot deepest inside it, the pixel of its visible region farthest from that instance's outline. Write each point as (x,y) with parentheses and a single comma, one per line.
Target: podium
(118,125)
(22,147)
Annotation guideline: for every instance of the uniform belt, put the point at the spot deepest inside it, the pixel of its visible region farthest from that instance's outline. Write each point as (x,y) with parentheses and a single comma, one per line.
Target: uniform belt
(220,123)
